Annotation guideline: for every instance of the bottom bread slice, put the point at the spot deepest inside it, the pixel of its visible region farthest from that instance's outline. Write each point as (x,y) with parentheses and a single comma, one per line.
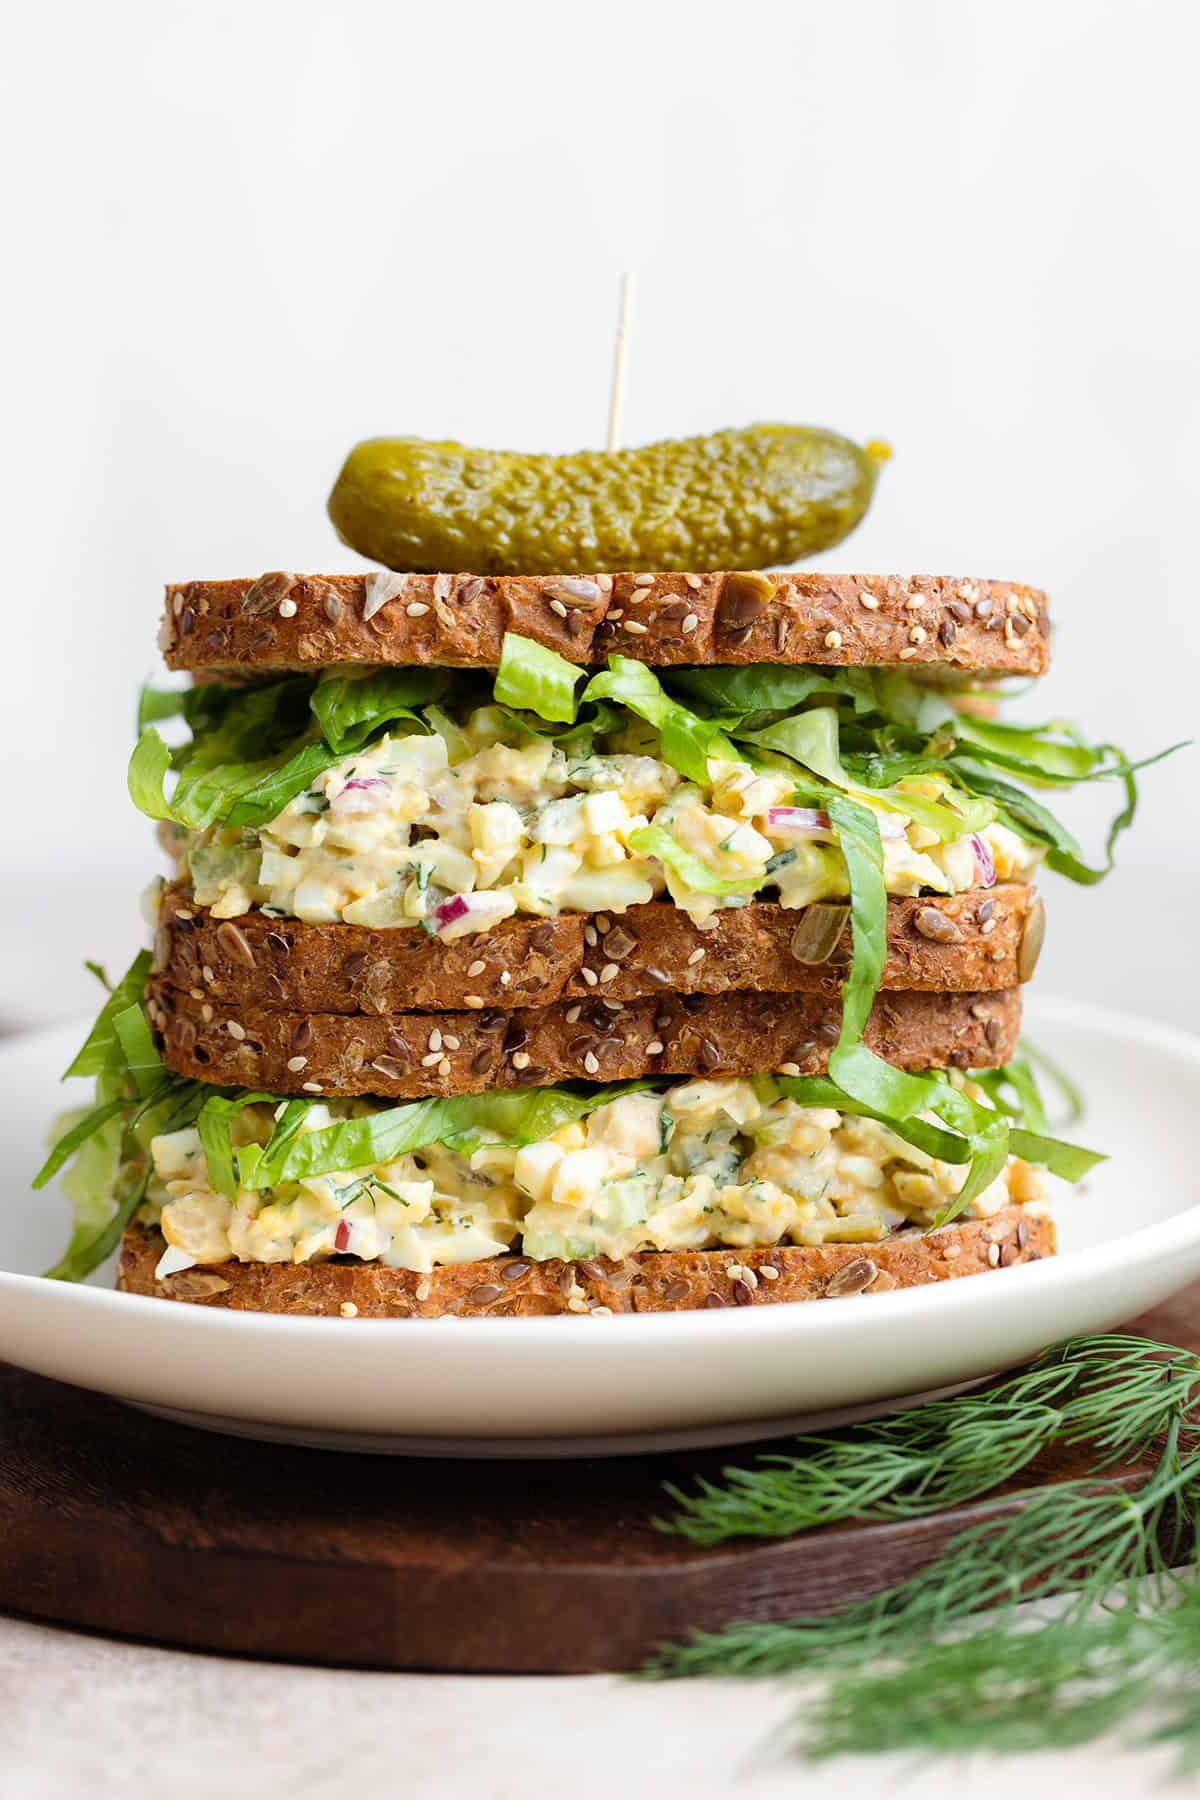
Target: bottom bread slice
(650,1281)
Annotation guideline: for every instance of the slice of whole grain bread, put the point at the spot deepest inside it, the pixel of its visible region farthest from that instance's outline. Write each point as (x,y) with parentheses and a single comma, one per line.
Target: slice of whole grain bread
(412,1055)
(651,1281)
(965,943)
(280,621)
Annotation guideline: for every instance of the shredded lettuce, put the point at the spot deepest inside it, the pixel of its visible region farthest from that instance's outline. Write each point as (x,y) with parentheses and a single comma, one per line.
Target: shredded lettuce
(518,1116)
(969,1132)
(985,1135)
(104,1147)
(875,734)
(1068,1089)
(91,1186)
(252,751)
(887,728)
(263,1170)
(748,693)
(77,1128)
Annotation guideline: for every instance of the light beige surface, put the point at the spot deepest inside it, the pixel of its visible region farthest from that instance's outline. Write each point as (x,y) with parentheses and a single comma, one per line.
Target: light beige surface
(85,1715)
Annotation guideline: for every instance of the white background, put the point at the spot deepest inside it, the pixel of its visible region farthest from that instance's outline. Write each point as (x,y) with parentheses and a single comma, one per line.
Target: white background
(242,237)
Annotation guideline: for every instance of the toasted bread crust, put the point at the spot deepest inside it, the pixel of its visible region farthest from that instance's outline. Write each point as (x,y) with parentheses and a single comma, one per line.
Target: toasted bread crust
(651,1281)
(411,1055)
(964,943)
(459,621)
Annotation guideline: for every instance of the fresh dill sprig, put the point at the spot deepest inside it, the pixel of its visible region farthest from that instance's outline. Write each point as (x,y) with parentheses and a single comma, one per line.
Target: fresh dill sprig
(1119,1393)
(948,1660)
(1128,1659)
(1081,1537)
(1056,1684)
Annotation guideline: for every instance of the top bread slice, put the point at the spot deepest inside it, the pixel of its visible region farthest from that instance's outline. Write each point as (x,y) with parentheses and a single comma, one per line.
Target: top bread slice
(281,622)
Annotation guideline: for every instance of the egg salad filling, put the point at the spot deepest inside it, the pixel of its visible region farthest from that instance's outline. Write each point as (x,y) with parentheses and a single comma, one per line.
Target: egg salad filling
(454,830)
(697,1165)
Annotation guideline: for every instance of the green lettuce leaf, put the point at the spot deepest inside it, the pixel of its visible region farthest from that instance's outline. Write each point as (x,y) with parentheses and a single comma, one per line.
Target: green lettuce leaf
(654,840)
(1031,821)
(148,769)
(970,1134)
(537,680)
(687,740)
(519,1116)
(143,1064)
(213,1124)
(891,1094)
(931,1138)
(156,704)
(90,1186)
(812,739)
(253,750)
(100,1218)
(1069,1161)
(352,709)
(264,1172)
(77,1128)
(1068,1089)
(1037,750)
(855,1068)
(757,689)
(102,1051)
(104,1201)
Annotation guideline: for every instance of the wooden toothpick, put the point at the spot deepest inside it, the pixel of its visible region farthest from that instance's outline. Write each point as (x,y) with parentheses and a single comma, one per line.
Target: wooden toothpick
(616,399)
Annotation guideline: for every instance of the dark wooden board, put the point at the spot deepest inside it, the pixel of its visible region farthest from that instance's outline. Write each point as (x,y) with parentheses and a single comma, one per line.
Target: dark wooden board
(113,1520)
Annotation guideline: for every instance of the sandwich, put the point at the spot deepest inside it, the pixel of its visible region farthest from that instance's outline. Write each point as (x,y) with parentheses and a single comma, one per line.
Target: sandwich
(582,944)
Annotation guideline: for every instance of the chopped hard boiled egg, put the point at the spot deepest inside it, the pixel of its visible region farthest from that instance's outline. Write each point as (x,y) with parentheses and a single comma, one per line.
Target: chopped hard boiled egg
(700,1164)
(388,836)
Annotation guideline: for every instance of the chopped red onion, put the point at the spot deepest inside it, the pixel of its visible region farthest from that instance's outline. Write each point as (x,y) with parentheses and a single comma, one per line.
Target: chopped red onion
(810,822)
(450,911)
(985,862)
(798,821)
(360,795)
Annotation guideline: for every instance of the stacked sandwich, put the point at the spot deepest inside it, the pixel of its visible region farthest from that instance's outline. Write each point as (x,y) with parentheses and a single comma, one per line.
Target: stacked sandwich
(582,944)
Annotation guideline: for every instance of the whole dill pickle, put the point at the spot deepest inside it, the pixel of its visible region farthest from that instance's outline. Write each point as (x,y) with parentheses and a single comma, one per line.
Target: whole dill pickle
(738,499)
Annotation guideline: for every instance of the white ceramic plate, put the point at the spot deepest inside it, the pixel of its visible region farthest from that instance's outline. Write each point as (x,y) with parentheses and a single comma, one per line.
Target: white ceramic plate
(584,1386)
